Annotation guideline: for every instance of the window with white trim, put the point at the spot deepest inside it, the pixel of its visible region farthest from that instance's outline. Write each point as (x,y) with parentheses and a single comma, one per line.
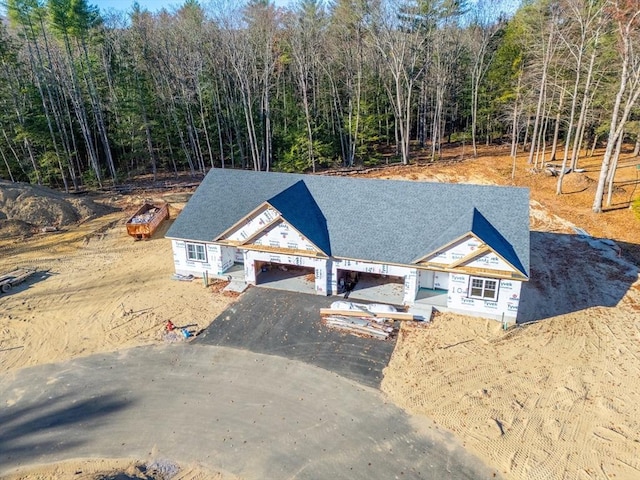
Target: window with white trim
(483,288)
(196,252)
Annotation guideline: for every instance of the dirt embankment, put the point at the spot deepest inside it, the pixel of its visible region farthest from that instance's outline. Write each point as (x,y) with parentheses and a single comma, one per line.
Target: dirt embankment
(26,209)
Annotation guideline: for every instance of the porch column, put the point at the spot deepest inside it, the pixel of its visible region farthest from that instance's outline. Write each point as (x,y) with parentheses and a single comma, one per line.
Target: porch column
(334,276)
(410,287)
(322,277)
(249,267)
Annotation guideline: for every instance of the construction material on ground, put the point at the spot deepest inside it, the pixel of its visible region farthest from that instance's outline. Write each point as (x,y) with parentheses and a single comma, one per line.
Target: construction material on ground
(182,278)
(367,307)
(10,279)
(373,320)
(361,326)
(423,313)
(236,286)
(146,220)
(366,313)
(555,169)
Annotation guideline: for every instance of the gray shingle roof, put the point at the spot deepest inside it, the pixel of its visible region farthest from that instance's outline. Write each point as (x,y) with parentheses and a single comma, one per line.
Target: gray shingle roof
(390,221)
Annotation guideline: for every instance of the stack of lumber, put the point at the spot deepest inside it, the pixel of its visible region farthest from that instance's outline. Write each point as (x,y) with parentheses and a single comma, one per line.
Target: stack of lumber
(15,277)
(364,320)
(360,326)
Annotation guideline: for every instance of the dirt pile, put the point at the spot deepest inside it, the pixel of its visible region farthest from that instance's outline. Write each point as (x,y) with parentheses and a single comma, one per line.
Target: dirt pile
(24,209)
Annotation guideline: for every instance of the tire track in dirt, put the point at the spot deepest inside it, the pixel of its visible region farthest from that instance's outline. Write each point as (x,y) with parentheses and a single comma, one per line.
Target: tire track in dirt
(86,288)
(547,400)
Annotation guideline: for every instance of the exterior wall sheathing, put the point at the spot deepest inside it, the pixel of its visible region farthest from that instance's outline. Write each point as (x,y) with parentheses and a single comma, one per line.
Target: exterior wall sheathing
(505,306)
(220,258)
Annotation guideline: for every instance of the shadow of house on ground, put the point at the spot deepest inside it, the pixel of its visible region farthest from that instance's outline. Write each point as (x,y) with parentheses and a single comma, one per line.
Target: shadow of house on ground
(287,324)
(41,427)
(570,273)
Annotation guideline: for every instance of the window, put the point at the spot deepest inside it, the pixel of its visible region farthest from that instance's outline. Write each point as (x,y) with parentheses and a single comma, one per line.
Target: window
(484,288)
(195,251)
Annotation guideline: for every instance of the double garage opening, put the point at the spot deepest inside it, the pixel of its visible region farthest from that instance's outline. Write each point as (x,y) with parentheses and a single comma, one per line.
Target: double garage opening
(369,282)
(356,285)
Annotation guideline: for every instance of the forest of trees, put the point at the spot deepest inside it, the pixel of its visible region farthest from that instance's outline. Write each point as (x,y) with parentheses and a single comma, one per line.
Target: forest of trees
(90,98)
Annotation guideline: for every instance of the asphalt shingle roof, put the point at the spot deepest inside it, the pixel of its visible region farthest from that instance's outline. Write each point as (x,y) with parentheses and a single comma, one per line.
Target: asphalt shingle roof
(390,221)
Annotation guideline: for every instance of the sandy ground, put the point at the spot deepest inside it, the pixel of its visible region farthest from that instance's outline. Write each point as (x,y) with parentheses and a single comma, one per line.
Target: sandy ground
(552,399)
(102,291)
(556,398)
(118,469)
(98,290)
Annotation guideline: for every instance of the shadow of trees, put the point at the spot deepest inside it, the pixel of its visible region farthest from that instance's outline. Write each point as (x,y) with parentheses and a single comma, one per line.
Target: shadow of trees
(43,427)
(570,273)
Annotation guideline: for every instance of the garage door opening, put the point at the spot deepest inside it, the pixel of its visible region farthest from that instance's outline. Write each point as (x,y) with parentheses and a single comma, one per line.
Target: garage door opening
(285,277)
(371,287)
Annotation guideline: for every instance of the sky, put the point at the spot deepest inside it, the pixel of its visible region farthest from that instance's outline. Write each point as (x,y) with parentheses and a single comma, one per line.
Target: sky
(151,5)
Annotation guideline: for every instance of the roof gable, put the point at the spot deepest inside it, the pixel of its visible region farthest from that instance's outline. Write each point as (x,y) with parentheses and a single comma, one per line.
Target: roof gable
(299,208)
(486,232)
(281,236)
(471,254)
(250,225)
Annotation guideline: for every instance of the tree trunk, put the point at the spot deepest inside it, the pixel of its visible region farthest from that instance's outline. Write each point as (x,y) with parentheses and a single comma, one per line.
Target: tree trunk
(543,89)
(6,162)
(629,72)
(612,170)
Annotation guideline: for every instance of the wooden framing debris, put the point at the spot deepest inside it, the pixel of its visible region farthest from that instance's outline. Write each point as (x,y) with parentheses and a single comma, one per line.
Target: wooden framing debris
(366,313)
(17,276)
(360,326)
